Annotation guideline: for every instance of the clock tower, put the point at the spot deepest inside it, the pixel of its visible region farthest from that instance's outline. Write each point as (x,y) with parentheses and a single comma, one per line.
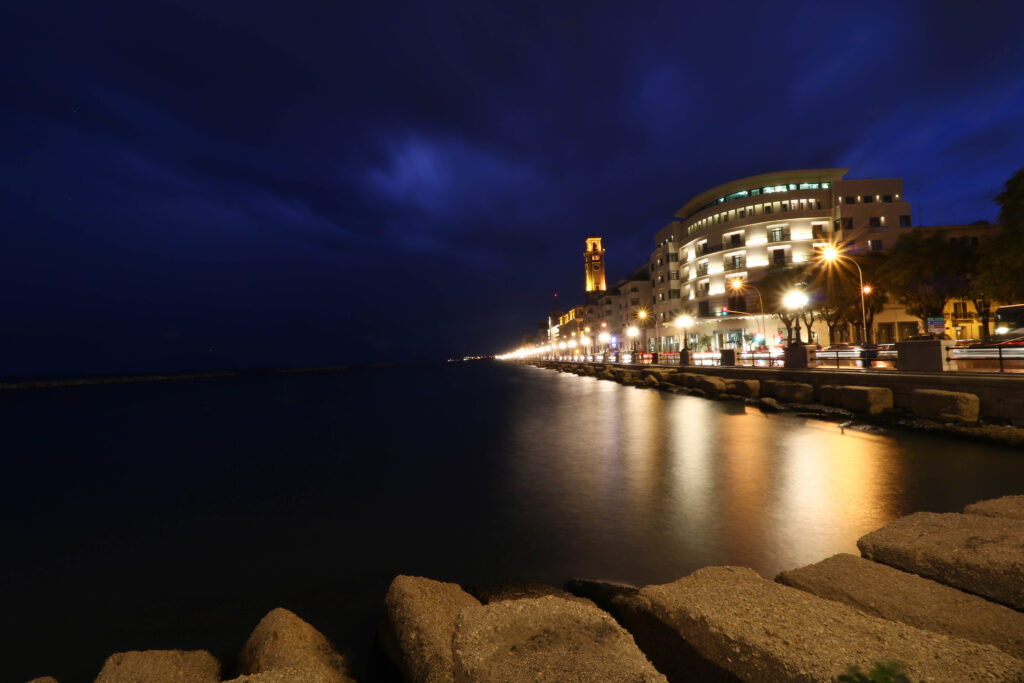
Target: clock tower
(593,257)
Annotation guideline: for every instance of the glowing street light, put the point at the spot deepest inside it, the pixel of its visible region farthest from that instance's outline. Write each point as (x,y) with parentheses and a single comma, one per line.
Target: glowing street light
(633,332)
(684,322)
(738,284)
(830,255)
(795,301)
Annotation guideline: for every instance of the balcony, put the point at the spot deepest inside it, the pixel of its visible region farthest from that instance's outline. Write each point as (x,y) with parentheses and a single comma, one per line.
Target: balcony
(705,249)
(778,236)
(734,242)
(702,269)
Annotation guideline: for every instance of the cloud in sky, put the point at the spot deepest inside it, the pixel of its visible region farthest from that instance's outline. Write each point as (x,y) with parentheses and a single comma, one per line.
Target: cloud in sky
(269,176)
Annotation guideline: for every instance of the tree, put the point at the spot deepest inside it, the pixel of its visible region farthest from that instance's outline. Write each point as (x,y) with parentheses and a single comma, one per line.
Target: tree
(1001,258)
(872,265)
(774,286)
(924,272)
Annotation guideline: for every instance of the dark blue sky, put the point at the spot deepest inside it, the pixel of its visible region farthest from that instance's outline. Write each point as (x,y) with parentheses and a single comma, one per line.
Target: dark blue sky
(237,184)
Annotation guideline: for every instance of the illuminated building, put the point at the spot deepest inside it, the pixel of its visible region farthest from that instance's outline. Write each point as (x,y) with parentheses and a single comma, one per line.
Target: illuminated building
(748,227)
(593,258)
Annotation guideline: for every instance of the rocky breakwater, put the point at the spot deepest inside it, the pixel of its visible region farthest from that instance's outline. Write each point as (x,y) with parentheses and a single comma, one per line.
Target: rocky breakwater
(946,412)
(281,649)
(939,595)
(844,614)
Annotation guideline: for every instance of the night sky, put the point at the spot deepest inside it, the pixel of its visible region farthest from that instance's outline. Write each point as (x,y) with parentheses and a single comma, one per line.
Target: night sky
(196,185)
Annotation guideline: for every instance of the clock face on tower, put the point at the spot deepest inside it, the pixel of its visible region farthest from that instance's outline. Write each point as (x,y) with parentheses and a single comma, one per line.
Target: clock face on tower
(594,258)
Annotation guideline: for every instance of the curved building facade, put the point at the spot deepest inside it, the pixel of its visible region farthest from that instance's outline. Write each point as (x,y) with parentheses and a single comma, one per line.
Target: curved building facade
(747,227)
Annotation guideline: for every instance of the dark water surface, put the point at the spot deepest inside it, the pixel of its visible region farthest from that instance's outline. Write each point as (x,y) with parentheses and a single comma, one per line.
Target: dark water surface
(175,514)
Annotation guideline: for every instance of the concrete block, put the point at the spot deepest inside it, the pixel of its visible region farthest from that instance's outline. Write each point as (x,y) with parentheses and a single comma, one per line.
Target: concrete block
(882,591)
(419,623)
(545,639)
(866,400)
(283,641)
(794,392)
(945,406)
(1010,507)
(758,630)
(160,666)
(981,555)
(830,395)
(515,589)
(923,356)
(798,356)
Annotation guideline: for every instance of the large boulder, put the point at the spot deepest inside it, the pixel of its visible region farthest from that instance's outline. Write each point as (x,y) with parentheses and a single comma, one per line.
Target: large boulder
(712,386)
(545,639)
(515,589)
(793,392)
(882,591)
(866,400)
(419,623)
(945,406)
(1010,507)
(651,381)
(601,593)
(758,630)
(981,555)
(283,641)
(750,388)
(160,666)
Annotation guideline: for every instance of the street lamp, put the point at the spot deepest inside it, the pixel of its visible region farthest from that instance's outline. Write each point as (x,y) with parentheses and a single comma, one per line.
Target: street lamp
(795,301)
(684,322)
(831,255)
(604,337)
(738,284)
(633,333)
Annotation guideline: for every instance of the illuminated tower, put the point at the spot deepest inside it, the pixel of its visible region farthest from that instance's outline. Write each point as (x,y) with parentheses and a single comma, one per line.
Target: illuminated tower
(594,258)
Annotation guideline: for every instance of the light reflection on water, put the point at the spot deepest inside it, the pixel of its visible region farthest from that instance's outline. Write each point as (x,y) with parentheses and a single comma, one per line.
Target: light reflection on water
(176,514)
(649,486)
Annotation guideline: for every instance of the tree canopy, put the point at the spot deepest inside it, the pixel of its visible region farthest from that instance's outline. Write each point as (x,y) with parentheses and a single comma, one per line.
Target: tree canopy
(923,272)
(1000,268)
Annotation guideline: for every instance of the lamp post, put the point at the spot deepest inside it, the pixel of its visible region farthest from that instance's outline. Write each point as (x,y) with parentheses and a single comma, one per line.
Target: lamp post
(684,322)
(633,333)
(795,301)
(832,255)
(738,284)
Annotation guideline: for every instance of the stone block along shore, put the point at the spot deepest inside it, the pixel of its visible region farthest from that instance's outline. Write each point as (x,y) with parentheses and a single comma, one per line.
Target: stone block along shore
(937,596)
(956,413)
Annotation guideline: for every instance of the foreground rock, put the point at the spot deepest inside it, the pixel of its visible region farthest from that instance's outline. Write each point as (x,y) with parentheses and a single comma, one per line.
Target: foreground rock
(981,555)
(545,639)
(282,642)
(881,591)
(160,666)
(516,589)
(1010,507)
(762,631)
(419,623)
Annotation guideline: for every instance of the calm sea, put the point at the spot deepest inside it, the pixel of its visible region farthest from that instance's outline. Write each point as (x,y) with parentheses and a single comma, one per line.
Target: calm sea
(175,514)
